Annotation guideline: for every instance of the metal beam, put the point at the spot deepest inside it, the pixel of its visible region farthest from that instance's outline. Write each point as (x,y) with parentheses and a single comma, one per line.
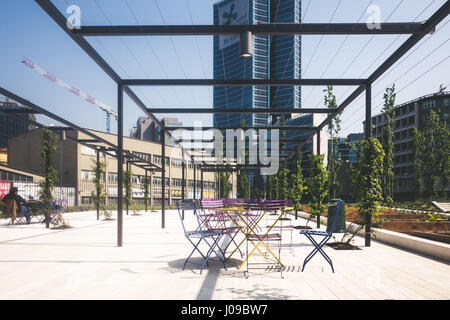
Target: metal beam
(427,28)
(368,134)
(267,140)
(287,128)
(120,166)
(243,82)
(163,175)
(257,29)
(238,111)
(59,18)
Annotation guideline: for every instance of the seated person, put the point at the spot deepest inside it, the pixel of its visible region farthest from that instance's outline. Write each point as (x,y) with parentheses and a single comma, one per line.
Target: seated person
(21,203)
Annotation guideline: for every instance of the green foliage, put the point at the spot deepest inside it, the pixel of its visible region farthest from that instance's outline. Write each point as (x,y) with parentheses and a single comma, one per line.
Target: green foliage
(284,192)
(418,159)
(98,197)
(225,187)
(436,152)
(367,174)
(370,172)
(334,160)
(388,144)
(317,185)
(146,187)
(242,185)
(298,185)
(127,176)
(431,217)
(51,176)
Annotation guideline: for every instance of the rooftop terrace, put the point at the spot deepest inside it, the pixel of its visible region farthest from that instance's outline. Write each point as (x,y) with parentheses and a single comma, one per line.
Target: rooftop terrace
(85,263)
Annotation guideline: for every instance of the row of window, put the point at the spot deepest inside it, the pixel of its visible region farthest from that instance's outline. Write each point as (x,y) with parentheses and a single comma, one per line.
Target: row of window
(136,179)
(11,176)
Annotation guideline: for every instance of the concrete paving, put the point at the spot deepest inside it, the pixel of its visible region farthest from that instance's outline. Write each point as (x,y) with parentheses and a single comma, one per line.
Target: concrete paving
(84,263)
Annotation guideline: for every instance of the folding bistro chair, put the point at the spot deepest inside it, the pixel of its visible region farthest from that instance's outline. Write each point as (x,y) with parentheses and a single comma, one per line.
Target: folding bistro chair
(215,219)
(201,234)
(318,246)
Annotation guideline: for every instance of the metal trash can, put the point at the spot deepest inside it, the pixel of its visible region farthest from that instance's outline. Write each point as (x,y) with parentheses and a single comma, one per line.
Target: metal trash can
(340,226)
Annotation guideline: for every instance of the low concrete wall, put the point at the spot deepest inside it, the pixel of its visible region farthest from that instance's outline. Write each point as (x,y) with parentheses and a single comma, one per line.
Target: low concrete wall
(430,248)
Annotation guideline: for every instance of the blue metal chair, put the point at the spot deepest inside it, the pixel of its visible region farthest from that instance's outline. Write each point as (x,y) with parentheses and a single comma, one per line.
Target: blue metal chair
(201,234)
(318,246)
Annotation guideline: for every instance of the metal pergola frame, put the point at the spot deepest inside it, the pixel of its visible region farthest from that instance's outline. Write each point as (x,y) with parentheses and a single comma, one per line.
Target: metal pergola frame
(34,109)
(417,31)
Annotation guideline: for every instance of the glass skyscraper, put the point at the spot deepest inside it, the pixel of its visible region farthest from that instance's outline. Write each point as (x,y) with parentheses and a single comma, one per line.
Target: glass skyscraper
(274,57)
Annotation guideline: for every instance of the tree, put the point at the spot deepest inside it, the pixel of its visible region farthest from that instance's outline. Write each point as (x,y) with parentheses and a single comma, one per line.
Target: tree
(388,145)
(225,187)
(334,160)
(368,172)
(98,197)
(418,160)
(51,176)
(243,190)
(317,186)
(146,187)
(436,151)
(242,185)
(127,176)
(283,186)
(298,185)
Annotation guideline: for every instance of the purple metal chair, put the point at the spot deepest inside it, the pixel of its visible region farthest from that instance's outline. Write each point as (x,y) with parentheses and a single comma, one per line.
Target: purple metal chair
(201,234)
(213,218)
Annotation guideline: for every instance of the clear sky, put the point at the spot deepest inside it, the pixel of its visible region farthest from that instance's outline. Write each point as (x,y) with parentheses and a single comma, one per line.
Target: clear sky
(27,31)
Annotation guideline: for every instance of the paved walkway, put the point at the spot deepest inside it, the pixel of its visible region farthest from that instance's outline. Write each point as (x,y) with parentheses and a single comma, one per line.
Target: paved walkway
(84,263)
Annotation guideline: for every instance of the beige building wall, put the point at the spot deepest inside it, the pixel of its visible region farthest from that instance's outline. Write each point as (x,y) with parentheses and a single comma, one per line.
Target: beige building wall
(77,160)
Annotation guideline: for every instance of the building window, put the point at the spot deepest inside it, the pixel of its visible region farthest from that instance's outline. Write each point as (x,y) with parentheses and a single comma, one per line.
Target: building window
(87,175)
(112,177)
(143,156)
(156,159)
(177,163)
(156,181)
(87,151)
(177,183)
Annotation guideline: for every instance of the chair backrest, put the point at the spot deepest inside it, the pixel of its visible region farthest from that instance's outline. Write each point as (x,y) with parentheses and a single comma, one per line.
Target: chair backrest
(273,204)
(10,208)
(186,205)
(212,204)
(338,208)
(229,202)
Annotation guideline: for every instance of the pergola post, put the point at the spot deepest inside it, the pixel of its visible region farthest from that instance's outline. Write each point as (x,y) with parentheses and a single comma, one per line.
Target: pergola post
(368,129)
(195,180)
(163,174)
(318,153)
(127,166)
(146,183)
(201,183)
(120,165)
(97,191)
(183,182)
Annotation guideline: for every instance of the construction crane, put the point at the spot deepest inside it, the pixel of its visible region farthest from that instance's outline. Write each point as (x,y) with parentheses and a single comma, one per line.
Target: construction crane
(75,91)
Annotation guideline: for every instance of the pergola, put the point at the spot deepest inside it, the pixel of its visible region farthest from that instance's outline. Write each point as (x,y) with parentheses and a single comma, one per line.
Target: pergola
(416,30)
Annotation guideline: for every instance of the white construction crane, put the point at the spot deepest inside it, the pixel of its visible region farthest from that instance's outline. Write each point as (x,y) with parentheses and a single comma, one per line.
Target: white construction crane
(75,91)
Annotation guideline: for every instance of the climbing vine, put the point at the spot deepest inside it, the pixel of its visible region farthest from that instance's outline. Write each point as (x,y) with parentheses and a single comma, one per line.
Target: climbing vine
(51,176)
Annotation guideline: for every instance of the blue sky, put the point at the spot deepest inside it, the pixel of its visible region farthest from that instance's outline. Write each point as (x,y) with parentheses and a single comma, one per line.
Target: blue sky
(27,31)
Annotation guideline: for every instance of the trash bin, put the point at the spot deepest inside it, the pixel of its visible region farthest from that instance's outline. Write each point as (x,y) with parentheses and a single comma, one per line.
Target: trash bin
(340,226)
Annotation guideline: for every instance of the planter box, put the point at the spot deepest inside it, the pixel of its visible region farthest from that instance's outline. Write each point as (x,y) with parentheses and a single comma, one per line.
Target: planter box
(427,247)
(410,226)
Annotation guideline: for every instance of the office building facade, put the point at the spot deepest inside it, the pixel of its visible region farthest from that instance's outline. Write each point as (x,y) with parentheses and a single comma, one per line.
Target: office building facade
(410,115)
(13,125)
(274,57)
